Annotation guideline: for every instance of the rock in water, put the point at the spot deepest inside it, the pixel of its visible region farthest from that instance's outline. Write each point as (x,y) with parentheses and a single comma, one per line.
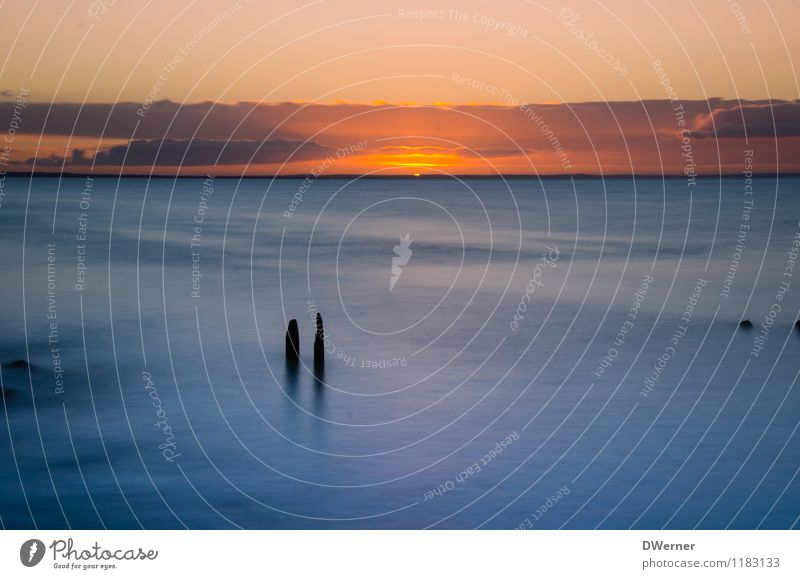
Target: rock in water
(17,365)
(292,342)
(319,344)
(745,324)
(6,395)
(797,325)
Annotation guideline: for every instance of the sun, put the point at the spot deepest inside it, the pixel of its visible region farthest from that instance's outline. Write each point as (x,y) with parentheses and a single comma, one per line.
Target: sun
(417,174)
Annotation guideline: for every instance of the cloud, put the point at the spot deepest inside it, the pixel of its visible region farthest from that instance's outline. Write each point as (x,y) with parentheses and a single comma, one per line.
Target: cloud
(163,119)
(591,137)
(781,119)
(52,161)
(459,151)
(251,120)
(198,152)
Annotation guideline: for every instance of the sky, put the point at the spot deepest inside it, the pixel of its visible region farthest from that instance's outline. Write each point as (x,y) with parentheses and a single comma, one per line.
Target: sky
(246,87)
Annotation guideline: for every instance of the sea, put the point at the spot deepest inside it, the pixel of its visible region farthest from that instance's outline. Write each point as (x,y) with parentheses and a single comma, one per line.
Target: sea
(499,353)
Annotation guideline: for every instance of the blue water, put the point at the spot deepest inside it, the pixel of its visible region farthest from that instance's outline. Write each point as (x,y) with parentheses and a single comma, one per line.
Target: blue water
(147,406)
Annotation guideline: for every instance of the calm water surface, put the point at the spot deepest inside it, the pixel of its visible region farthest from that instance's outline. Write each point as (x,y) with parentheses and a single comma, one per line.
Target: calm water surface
(552,354)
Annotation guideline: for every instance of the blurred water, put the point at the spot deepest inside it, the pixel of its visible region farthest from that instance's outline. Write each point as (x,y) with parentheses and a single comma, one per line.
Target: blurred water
(433,409)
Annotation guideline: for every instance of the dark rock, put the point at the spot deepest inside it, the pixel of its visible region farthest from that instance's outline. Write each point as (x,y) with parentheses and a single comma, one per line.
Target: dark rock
(745,324)
(292,342)
(797,325)
(16,365)
(319,344)
(6,394)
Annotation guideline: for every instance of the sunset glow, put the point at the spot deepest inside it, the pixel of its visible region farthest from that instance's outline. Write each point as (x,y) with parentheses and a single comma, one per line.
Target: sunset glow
(527,89)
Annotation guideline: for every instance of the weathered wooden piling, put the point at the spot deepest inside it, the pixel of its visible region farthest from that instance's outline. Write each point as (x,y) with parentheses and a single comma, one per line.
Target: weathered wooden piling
(319,344)
(292,342)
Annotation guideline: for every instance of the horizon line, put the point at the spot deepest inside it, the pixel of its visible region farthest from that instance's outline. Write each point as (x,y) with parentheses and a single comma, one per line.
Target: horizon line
(72,174)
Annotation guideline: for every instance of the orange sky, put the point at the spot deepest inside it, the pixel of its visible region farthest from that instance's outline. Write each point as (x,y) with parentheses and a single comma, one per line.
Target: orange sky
(325,139)
(235,87)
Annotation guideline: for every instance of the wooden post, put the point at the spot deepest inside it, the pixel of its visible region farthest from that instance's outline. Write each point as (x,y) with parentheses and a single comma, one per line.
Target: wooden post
(319,344)
(292,342)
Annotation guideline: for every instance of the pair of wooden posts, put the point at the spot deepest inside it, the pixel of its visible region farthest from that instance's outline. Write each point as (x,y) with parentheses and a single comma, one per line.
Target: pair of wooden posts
(293,343)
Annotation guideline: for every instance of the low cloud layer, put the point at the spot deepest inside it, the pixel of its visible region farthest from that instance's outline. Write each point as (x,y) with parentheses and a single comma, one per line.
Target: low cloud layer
(199,152)
(752,121)
(617,137)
